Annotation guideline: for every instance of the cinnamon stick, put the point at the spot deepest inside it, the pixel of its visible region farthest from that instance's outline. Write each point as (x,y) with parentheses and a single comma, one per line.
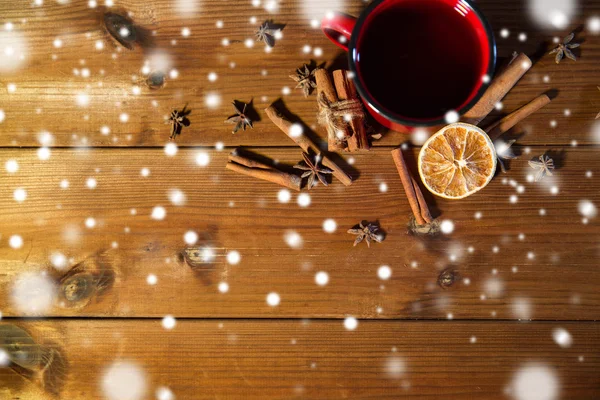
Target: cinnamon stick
(234,157)
(258,170)
(412,190)
(347,91)
(306,144)
(495,130)
(325,87)
(499,87)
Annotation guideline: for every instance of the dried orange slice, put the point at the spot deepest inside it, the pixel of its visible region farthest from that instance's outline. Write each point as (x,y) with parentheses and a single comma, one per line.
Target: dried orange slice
(457,161)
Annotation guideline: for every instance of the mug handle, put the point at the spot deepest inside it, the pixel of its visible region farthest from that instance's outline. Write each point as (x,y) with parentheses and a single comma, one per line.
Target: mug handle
(338,28)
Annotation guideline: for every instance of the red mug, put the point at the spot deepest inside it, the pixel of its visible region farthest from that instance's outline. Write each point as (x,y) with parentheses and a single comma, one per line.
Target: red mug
(416,62)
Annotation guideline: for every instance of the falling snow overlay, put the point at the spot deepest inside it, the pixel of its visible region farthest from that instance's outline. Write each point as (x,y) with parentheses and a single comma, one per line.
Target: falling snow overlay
(134,265)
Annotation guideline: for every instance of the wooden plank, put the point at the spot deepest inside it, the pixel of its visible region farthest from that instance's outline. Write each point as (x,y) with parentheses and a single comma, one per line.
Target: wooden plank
(513,262)
(318,359)
(46,95)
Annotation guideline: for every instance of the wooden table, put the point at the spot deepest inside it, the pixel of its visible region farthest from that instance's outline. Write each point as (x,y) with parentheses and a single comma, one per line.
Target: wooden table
(85,137)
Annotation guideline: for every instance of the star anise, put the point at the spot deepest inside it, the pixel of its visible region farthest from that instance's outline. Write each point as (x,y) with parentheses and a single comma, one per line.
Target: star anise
(314,171)
(305,79)
(367,233)
(545,166)
(178,119)
(240,119)
(564,49)
(266,33)
(504,152)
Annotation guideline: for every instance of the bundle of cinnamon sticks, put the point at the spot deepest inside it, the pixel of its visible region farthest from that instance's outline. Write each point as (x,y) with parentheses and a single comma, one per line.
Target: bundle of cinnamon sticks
(341,111)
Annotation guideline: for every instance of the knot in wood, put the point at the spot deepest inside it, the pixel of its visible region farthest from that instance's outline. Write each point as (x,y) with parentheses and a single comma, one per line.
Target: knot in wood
(78,289)
(121,29)
(447,278)
(156,80)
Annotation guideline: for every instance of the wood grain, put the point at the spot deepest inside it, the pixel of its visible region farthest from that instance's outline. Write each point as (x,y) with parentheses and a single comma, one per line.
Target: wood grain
(554,255)
(316,359)
(46,89)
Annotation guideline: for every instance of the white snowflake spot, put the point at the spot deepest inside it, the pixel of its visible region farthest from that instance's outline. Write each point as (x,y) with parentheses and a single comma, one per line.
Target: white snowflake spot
(207,254)
(303,200)
(20,195)
(64,184)
(123,117)
(329,225)
(494,287)
(293,239)
(82,99)
(296,130)
(202,159)
(91,183)
(233,257)
(43,153)
(190,237)
(15,241)
(384,272)
(535,382)
(284,196)
(212,100)
(90,222)
(273,299)
(322,278)
(177,197)
(158,213)
(587,209)
(552,13)
(124,380)
(164,393)
(171,149)
(58,260)
(33,293)
(504,33)
(350,323)
(4,358)
(223,287)
(151,279)
(383,187)
(11,166)
(145,172)
(593,25)
(451,117)
(395,367)
(447,227)
(562,337)
(169,322)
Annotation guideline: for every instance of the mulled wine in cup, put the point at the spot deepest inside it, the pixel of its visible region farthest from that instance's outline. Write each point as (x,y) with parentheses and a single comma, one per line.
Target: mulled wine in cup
(417,62)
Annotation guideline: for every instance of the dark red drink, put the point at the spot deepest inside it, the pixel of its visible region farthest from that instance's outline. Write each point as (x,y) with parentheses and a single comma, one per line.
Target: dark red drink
(419,58)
